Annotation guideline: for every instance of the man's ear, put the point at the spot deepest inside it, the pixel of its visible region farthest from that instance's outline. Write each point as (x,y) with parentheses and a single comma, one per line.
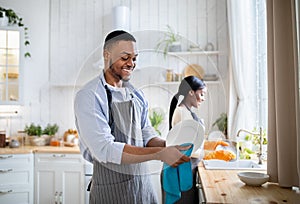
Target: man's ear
(106,54)
(191,92)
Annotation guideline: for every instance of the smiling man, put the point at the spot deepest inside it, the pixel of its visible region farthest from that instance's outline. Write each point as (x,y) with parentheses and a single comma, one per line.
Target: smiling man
(115,132)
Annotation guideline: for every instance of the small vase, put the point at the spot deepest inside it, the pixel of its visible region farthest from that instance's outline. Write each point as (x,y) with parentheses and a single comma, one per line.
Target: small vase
(3,19)
(47,139)
(175,47)
(37,140)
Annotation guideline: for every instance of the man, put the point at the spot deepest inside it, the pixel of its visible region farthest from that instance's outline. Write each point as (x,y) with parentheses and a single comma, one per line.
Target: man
(115,132)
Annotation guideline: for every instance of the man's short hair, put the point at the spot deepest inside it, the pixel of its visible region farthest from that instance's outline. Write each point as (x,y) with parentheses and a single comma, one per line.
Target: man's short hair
(116,36)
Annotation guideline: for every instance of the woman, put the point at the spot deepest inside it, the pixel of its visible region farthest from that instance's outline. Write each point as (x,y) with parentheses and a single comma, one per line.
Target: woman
(193,91)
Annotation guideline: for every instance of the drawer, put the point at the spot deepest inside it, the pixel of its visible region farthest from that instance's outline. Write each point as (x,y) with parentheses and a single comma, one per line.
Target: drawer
(63,159)
(16,161)
(16,169)
(17,177)
(10,195)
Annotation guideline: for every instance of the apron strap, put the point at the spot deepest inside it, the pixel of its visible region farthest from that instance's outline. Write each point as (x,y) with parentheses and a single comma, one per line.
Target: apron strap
(194,115)
(109,100)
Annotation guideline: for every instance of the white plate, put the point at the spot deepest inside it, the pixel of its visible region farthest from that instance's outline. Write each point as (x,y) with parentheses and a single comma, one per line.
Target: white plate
(187,131)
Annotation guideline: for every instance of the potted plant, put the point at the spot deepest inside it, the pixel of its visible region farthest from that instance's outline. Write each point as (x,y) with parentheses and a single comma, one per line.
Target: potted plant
(49,132)
(34,133)
(170,42)
(221,123)
(13,19)
(156,119)
(51,129)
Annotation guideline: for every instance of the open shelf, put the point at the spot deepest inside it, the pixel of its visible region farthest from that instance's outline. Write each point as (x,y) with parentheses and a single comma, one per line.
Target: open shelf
(186,53)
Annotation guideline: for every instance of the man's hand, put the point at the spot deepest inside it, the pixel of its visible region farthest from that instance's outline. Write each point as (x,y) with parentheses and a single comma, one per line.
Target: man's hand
(172,155)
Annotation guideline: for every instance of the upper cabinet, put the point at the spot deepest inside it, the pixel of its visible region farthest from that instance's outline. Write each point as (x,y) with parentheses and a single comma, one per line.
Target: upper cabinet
(11,66)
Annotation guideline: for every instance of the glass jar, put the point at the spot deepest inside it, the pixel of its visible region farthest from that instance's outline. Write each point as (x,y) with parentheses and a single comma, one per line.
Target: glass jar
(169,75)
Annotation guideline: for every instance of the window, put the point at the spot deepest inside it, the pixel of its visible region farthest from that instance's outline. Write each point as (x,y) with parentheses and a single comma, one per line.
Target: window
(248,83)
(261,64)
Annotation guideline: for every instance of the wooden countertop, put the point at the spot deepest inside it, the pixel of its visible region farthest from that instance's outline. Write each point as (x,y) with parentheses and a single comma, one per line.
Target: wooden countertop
(40,149)
(224,186)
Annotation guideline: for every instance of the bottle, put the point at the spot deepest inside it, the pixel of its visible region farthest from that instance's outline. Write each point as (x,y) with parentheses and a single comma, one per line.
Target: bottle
(169,75)
(2,139)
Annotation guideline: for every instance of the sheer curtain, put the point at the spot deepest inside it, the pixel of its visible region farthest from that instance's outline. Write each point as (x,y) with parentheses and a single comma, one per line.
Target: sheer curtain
(283,105)
(247,65)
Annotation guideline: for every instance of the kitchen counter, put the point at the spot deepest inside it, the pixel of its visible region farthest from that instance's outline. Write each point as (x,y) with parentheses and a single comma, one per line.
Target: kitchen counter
(224,186)
(40,149)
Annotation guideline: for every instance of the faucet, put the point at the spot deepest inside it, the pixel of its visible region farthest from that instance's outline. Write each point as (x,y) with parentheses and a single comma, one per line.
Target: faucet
(260,134)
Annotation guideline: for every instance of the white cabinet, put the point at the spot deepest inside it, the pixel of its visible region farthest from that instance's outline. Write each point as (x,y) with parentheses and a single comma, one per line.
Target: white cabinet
(11,57)
(59,178)
(16,176)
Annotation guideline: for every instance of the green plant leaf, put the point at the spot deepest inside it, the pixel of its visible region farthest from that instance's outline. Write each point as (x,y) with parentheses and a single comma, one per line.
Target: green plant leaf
(27,54)
(169,37)
(51,129)
(221,123)
(156,119)
(13,18)
(33,130)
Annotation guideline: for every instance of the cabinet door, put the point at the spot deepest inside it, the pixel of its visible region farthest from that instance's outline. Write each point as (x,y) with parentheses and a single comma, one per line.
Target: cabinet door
(59,178)
(11,66)
(45,189)
(72,185)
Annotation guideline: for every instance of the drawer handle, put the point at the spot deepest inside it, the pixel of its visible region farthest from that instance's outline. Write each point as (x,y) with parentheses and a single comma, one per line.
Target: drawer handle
(60,155)
(8,191)
(6,157)
(5,170)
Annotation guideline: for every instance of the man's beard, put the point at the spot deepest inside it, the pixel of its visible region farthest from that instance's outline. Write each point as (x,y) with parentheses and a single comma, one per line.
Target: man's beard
(115,74)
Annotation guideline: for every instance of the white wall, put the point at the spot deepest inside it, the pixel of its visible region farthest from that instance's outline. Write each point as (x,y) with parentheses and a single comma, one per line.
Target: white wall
(66,39)
(36,69)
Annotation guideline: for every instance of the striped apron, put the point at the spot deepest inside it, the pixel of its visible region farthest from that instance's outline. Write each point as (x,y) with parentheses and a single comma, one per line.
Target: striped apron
(123,183)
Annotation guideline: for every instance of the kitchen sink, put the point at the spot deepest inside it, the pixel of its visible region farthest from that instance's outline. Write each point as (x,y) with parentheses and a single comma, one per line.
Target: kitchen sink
(234,165)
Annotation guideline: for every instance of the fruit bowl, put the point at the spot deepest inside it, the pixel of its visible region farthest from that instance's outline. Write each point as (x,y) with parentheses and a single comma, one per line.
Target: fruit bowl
(253,178)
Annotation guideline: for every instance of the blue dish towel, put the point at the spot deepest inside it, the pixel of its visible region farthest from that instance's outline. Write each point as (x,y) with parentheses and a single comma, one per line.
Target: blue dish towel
(178,179)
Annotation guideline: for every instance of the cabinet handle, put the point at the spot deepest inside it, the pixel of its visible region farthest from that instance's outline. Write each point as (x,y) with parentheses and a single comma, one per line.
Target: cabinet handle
(200,189)
(6,157)
(59,155)
(8,191)
(60,198)
(56,198)
(5,170)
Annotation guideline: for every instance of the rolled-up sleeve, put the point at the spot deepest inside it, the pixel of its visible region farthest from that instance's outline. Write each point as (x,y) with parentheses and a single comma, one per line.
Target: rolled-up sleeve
(95,138)
(148,131)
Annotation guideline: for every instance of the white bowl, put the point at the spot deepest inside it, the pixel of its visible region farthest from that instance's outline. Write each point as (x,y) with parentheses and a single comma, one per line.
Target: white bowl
(253,178)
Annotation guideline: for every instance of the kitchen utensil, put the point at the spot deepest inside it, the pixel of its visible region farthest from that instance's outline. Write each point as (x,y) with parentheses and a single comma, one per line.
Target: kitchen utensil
(14,144)
(253,178)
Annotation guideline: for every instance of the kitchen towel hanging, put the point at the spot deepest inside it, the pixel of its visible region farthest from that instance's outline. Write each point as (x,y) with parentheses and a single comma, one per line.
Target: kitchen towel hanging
(177,179)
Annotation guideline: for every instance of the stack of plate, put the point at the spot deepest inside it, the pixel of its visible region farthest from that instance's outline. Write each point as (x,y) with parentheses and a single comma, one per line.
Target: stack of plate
(210,77)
